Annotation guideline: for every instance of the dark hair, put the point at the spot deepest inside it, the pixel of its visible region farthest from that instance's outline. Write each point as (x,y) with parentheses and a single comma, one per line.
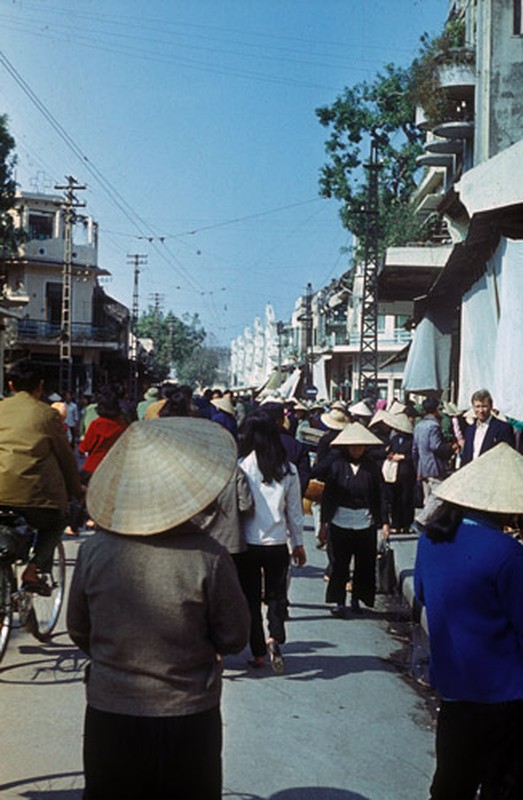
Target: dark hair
(430,404)
(275,411)
(25,375)
(108,404)
(259,433)
(482,395)
(444,523)
(177,403)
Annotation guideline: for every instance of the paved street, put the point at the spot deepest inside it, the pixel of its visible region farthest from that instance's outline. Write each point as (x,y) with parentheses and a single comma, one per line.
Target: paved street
(341,724)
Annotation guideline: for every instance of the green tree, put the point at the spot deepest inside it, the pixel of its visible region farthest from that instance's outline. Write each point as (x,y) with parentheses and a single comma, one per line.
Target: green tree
(174,340)
(201,368)
(386,108)
(10,236)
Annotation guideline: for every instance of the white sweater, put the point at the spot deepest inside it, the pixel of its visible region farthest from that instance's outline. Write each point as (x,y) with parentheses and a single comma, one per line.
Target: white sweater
(278,513)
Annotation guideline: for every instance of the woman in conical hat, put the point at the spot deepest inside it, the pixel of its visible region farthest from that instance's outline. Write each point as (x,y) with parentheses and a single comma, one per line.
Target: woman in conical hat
(469,575)
(401,490)
(154,602)
(353,508)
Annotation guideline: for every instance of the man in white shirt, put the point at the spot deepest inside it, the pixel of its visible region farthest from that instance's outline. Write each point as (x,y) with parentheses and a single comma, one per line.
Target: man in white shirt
(486,431)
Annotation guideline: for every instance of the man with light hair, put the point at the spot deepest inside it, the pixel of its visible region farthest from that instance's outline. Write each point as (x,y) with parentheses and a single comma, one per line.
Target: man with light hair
(486,431)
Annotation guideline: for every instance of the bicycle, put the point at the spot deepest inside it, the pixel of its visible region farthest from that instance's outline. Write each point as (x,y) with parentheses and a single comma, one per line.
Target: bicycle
(37,613)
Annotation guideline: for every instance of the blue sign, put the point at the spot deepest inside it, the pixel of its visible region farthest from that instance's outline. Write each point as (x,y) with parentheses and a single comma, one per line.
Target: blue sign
(311,392)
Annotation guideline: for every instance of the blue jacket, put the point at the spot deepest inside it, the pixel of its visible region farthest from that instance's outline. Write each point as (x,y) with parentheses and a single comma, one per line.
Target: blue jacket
(472,588)
(430,451)
(497,431)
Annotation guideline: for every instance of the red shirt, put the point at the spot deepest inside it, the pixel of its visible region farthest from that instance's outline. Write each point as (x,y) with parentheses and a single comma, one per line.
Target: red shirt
(100,436)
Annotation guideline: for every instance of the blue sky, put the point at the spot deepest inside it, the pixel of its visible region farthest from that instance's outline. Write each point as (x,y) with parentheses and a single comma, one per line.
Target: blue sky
(196,118)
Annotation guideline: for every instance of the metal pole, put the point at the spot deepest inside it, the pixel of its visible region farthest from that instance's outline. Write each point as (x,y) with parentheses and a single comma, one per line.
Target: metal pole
(69,205)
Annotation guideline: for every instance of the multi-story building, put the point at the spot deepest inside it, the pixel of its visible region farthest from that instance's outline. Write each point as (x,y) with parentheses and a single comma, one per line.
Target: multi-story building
(469,331)
(99,324)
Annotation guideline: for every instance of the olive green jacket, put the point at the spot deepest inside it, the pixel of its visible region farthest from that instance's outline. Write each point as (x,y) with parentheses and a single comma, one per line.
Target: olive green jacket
(37,466)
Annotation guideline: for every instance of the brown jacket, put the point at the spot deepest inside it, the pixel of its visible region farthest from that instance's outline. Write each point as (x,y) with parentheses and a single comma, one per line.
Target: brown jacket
(37,466)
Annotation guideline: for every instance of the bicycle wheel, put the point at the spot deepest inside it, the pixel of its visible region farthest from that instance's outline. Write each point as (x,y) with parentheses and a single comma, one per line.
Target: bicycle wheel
(6,607)
(46,610)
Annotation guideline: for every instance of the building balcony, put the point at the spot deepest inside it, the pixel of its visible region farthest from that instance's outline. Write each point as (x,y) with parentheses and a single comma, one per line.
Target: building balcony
(83,333)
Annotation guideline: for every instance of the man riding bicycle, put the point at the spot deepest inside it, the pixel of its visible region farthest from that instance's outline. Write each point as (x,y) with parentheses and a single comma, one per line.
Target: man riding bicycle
(38,470)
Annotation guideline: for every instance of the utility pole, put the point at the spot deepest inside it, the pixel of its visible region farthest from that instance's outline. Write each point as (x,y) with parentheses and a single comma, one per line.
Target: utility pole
(368,382)
(69,204)
(137,260)
(280,327)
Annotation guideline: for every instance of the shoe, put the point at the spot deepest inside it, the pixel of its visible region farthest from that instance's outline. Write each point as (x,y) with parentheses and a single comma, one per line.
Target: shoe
(257,662)
(338,612)
(277,662)
(39,586)
(355,606)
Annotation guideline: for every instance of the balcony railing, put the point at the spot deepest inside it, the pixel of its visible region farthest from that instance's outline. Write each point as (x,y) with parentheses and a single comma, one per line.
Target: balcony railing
(80,331)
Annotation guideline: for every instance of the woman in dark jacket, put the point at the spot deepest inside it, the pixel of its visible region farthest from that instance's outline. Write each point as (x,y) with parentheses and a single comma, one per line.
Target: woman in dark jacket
(401,491)
(353,507)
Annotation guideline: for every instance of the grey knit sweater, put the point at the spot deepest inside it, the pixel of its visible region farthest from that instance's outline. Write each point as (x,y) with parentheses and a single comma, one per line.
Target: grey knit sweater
(153,613)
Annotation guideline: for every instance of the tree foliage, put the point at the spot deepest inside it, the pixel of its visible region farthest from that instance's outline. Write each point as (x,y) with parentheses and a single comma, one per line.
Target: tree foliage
(175,340)
(201,368)
(384,107)
(10,236)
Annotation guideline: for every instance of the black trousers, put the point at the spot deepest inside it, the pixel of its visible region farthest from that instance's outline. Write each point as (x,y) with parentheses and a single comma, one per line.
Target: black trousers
(137,758)
(265,566)
(479,744)
(50,524)
(346,543)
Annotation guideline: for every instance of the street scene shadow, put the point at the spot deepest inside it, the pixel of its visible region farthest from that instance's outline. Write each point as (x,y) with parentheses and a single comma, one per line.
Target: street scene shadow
(46,663)
(304,662)
(300,793)
(57,786)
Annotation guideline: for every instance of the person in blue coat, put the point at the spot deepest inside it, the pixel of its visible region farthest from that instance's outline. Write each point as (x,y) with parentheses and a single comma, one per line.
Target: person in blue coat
(469,576)
(486,431)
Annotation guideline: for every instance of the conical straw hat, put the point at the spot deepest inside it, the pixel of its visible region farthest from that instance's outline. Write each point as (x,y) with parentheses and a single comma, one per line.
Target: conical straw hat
(224,404)
(360,409)
(396,407)
(493,482)
(159,474)
(335,419)
(399,422)
(355,433)
(380,416)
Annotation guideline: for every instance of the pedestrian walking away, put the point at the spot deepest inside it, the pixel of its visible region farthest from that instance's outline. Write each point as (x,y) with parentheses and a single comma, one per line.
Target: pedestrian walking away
(276,524)
(469,575)
(155,602)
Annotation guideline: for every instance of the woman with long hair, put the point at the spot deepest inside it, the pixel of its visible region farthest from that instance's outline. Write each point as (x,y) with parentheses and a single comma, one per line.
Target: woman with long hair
(277,521)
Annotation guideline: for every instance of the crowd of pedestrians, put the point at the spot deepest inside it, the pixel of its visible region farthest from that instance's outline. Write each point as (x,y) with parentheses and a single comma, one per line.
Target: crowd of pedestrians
(198,500)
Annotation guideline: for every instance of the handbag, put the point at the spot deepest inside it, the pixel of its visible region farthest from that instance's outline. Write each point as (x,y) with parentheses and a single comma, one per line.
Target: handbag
(16,537)
(385,569)
(389,470)
(314,490)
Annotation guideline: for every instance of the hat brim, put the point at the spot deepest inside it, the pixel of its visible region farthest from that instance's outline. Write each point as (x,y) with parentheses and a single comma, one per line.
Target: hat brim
(159,474)
(355,433)
(493,482)
(332,423)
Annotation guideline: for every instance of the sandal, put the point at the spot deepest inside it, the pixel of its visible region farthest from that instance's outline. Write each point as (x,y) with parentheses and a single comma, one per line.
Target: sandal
(277,662)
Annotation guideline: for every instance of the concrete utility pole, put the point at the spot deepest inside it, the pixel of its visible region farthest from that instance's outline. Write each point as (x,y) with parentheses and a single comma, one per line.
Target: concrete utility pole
(306,318)
(68,206)
(368,382)
(137,259)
